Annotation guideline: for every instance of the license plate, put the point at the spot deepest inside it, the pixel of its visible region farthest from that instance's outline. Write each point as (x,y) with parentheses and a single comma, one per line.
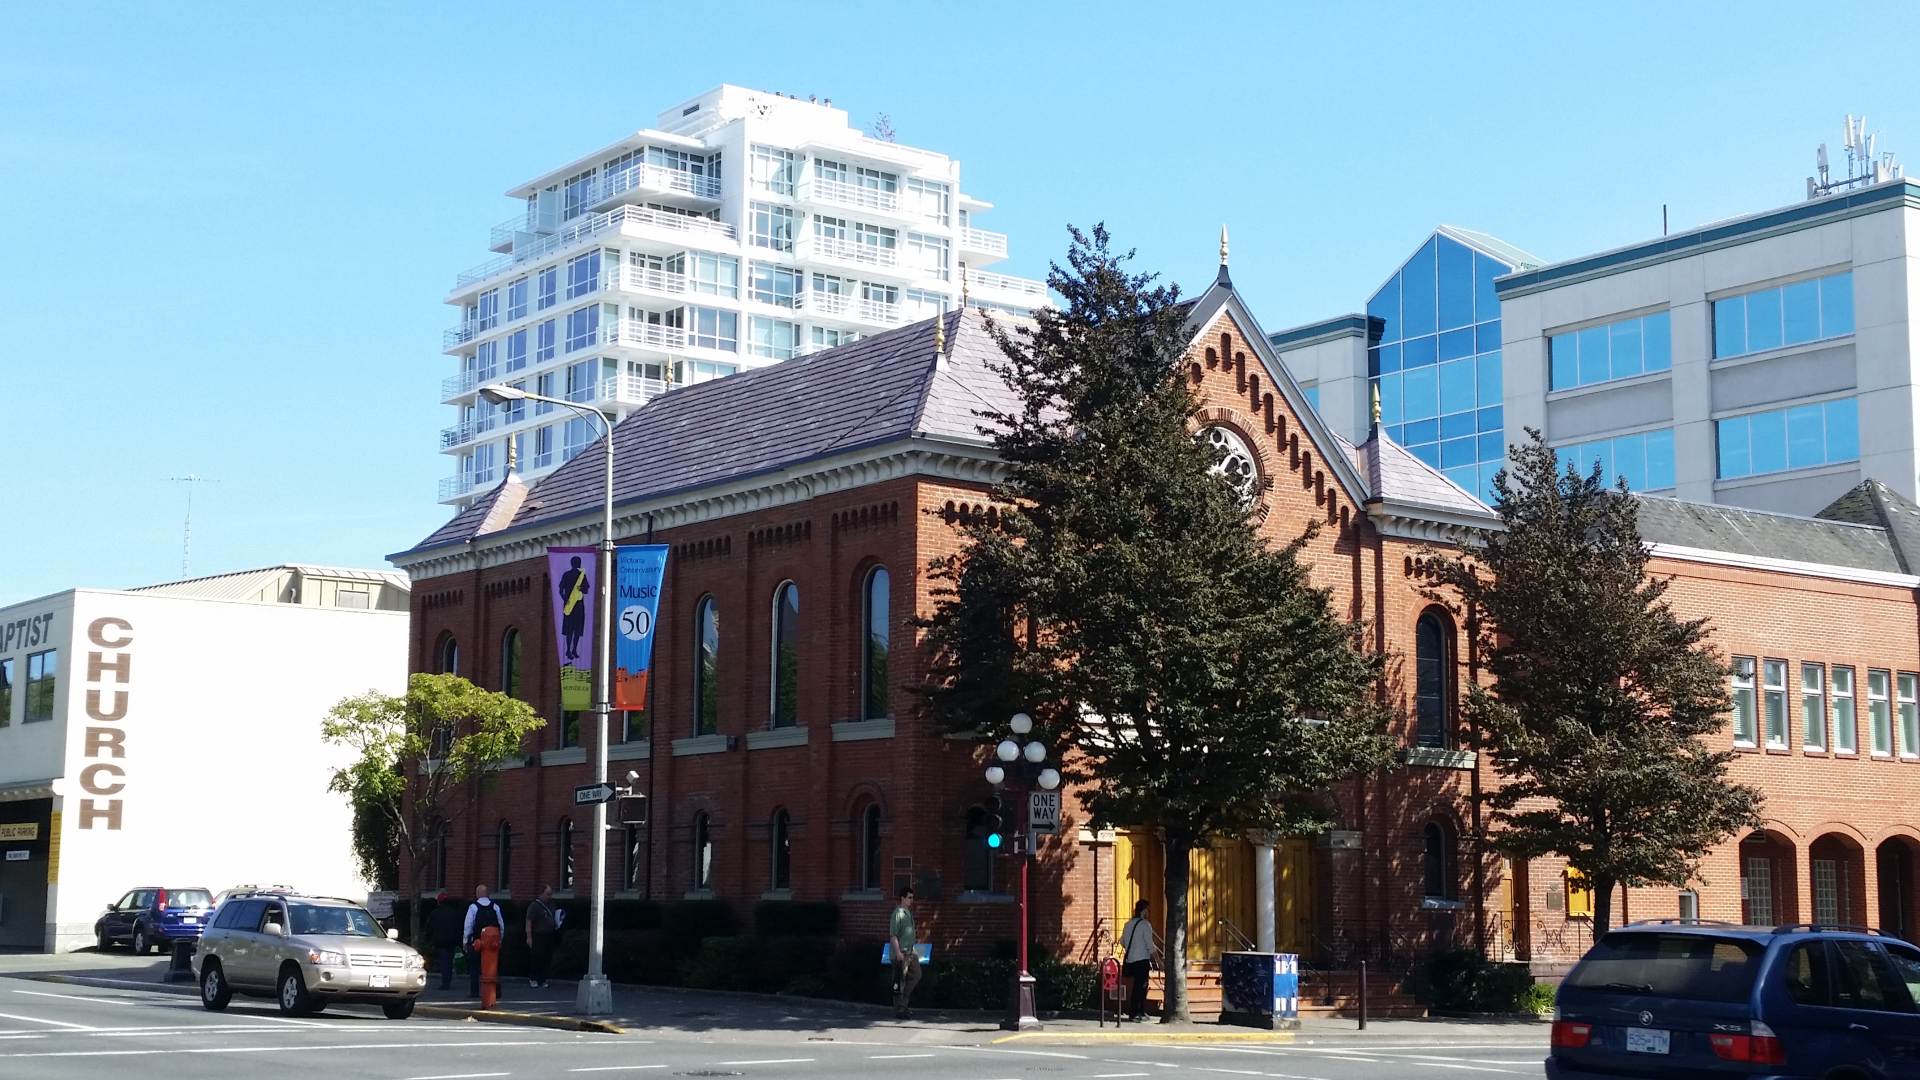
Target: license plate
(190,920)
(380,982)
(1647,1040)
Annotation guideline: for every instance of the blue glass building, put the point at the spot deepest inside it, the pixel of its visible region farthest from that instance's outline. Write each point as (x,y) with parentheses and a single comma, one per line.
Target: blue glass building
(1437,361)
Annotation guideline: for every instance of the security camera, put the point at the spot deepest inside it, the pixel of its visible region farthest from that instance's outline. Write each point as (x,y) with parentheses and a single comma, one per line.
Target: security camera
(633,777)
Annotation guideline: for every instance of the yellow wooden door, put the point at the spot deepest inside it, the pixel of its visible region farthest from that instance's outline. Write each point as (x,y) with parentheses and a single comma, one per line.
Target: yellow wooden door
(1220,900)
(1138,874)
(1293,896)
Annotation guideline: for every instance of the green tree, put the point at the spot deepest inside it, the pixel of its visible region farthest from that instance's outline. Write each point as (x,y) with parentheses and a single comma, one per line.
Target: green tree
(444,733)
(1601,694)
(1123,596)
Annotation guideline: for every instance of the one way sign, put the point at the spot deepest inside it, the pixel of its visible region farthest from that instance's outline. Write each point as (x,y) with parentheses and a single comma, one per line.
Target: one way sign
(1043,812)
(588,794)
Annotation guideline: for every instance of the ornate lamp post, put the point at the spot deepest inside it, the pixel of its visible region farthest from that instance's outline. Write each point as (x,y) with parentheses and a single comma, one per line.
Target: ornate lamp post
(1026,763)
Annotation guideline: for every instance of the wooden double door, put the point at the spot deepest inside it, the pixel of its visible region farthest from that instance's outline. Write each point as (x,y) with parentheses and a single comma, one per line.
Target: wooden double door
(1222,895)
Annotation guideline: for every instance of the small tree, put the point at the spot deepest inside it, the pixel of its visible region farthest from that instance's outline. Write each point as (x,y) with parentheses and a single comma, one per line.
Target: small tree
(446,735)
(1125,597)
(1601,694)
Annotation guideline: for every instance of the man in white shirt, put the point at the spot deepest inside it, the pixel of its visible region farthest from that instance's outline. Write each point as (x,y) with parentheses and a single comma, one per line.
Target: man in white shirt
(1136,959)
(480,914)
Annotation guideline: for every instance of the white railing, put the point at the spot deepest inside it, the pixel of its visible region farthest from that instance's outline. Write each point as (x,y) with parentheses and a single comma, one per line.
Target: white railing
(853,251)
(842,193)
(852,307)
(465,432)
(1006,283)
(645,177)
(981,240)
(631,389)
(452,487)
(647,279)
(465,332)
(504,234)
(591,225)
(643,335)
(465,382)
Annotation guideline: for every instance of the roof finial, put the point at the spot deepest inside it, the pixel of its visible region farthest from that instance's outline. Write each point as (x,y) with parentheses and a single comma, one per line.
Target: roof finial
(1376,408)
(963,284)
(1223,244)
(513,452)
(940,335)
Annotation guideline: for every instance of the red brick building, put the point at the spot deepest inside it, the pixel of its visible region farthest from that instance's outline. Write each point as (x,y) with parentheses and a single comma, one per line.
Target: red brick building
(803,503)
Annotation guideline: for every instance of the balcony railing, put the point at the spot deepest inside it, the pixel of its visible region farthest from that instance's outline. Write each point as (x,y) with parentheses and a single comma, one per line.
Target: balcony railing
(854,251)
(466,331)
(647,279)
(466,381)
(852,307)
(983,241)
(453,487)
(465,432)
(589,226)
(645,177)
(631,390)
(643,335)
(1024,288)
(842,193)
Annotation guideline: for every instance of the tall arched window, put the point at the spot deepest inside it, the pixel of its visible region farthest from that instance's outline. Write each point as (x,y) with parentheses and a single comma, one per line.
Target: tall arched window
(1433,671)
(1437,861)
(503,857)
(782,877)
(870,847)
(706,666)
(510,663)
(447,656)
(784,656)
(563,839)
(436,854)
(877,600)
(702,852)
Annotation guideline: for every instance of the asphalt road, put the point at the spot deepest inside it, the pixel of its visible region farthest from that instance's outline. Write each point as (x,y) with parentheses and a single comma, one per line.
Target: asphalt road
(51,1031)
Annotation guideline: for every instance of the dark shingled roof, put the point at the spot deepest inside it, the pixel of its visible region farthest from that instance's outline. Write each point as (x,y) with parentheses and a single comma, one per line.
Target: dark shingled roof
(1394,475)
(1874,503)
(489,513)
(1759,533)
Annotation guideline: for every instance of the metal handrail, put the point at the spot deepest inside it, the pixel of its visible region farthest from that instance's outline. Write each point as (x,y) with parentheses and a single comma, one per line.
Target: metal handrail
(1245,941)
(855,251)
(984,279)
(846,193)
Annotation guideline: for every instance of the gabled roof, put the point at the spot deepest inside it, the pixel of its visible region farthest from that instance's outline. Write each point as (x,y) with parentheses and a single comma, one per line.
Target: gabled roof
(489,513)
(1874,503)
(1397,478)
(1490,245)
(1761,534)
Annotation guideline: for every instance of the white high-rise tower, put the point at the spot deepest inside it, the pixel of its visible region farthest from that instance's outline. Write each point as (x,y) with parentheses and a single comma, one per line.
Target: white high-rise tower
(746,228)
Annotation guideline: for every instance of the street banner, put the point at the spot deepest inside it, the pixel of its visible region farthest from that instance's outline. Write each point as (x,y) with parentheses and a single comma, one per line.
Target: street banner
(638,571)
(572,571)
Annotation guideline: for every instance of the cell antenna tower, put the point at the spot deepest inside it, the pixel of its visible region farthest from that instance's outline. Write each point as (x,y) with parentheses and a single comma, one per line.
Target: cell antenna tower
(186,529)
(1866,164)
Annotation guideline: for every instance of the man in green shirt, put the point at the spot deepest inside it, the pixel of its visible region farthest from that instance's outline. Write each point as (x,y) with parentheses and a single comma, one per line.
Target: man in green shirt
(906,961)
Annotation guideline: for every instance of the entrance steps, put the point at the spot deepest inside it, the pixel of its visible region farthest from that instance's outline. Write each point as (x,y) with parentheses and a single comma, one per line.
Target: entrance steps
(1323,994)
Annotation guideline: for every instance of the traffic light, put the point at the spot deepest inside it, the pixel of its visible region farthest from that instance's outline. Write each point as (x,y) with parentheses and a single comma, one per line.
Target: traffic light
(996,823)
(633,809)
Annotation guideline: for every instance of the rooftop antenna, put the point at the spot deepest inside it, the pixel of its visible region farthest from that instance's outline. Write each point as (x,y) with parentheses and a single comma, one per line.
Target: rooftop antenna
(1866,163)
(186,529)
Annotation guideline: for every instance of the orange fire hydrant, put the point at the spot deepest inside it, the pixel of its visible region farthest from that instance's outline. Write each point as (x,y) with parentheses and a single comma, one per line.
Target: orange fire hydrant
(488,946)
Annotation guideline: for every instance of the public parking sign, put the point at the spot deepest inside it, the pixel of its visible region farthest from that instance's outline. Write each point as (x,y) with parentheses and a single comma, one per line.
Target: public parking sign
(1043,813)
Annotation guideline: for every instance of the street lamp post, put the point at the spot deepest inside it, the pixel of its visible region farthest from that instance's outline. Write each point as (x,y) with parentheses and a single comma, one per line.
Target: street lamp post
(596,993)
(1028,762)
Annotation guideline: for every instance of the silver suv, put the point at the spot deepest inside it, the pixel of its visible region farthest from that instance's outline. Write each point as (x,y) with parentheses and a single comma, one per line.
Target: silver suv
(306,952)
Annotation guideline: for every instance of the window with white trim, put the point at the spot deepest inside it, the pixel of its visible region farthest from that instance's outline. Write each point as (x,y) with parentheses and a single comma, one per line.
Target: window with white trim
(775,169)
(1880,712)
(1813,706)
(1909,715)
(715,275)
(1845,724)
(1689,906)
(1829,891)
(711,328)
(827,337)
(1756,888)
(929,253)
(931,199)
(771,227)
(577,190)
(1742,680)
(1774,703)
(547,292)
(583,274)
(516,299)
(776,285)
(775,339)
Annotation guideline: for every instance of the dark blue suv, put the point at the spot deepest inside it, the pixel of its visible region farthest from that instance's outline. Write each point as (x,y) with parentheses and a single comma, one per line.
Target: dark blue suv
(154,918)
(1693,999)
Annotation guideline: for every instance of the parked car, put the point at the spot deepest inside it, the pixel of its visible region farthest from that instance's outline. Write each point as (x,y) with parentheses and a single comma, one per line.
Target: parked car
(250,890)
(152,918)
(1671,998)
(306,952)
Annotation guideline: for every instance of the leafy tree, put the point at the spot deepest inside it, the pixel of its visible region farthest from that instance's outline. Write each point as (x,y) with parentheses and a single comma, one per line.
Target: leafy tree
(1601,694)
(444,733)
(1122,594)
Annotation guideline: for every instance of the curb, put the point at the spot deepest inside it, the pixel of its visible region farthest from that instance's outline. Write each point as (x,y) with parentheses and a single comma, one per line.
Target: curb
(501,1016)
(1146,1038)
(183,989)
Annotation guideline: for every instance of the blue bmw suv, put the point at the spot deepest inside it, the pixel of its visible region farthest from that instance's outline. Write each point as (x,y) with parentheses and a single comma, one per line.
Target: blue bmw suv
(1694,999)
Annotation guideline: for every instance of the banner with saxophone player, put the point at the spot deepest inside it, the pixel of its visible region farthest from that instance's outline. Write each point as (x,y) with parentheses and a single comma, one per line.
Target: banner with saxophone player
(573,572)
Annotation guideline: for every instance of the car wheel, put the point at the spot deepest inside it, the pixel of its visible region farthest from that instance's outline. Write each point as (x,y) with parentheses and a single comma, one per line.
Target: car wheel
(316,1007)
(105,942)
(293,992)
(214,991)
(141,944)
(398,1010)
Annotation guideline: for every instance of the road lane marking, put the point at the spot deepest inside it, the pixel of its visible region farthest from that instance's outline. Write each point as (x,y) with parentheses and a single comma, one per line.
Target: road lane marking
(615,1068)
(79,997)
(457,1076)
(281,1049)
(51,1023)
(1116,1076)
(15,1035)
(772,1061)
(895,1057)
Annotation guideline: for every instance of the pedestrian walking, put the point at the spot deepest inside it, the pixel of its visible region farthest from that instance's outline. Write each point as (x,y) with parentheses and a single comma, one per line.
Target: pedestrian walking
(482,913)
(443,935)
(1136,959)
(542,929)
(906,958)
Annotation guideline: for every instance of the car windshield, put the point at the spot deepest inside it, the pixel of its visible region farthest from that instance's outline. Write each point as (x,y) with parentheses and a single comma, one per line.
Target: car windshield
(189,898)
(1692,966)
(331,920)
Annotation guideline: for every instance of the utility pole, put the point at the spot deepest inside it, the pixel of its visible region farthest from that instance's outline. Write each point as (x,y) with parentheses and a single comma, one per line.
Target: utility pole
(186,529)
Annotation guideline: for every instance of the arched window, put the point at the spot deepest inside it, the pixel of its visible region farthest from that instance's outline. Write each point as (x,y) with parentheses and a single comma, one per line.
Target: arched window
(877,600)
(563,839)
(706,666)
(1437,861)
(436,854)
(634,854)
(1433,671)
(869,834)
(785,655)
(503,857)
(510,663)
(702,852)
(782,850)
(447,656)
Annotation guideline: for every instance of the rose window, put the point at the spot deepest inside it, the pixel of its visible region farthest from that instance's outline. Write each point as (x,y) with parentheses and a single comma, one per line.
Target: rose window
(1236,465)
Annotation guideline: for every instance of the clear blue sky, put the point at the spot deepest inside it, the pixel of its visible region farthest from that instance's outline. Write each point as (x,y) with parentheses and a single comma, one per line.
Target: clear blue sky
(228,228)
